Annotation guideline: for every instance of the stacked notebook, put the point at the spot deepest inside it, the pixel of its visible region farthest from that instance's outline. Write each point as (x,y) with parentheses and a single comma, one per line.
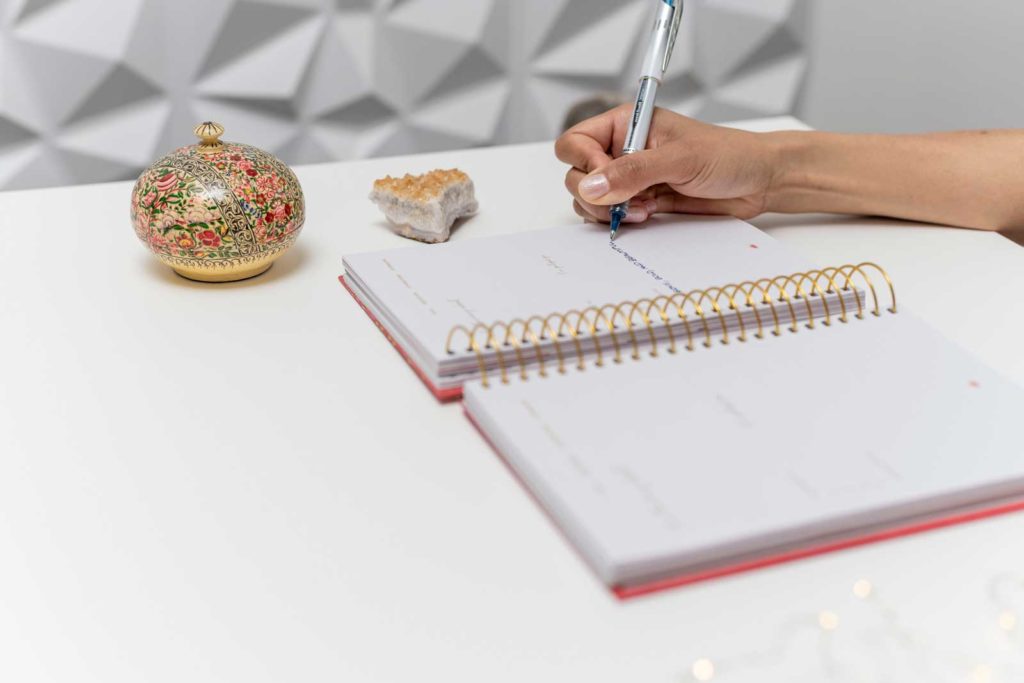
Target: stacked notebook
(695,399)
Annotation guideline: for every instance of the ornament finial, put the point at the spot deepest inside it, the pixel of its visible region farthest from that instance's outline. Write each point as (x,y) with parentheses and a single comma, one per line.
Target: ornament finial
(209,133)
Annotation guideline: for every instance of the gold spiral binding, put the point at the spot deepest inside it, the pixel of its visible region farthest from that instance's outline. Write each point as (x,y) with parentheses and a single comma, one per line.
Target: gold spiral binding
(510,338)
(647,323)
(778,295)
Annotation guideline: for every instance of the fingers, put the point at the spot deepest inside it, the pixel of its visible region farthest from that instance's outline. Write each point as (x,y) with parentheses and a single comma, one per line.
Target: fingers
(637,213)
(641,207)
(671,202)
(627,176)
(581,151)
(586,145)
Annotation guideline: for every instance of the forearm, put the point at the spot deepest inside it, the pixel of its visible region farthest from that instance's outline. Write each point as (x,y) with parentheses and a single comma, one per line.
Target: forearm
(968,179)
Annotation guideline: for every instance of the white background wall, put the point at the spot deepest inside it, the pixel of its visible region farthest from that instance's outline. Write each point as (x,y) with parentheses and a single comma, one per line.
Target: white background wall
(909,65)
(314,80)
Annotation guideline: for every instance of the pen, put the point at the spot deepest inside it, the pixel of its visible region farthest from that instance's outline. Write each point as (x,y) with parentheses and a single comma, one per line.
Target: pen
(659,52)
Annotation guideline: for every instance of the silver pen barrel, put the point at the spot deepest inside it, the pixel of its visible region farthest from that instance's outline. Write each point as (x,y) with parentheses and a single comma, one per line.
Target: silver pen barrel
(643,112)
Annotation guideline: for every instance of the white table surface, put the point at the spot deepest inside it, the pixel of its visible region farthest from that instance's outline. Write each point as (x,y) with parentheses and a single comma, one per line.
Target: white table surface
(245,482)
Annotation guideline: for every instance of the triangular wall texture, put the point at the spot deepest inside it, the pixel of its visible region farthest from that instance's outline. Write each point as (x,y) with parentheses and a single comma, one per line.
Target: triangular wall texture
(94,90)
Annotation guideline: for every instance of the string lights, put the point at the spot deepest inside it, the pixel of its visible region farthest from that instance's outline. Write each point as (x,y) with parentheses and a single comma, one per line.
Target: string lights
(874,641)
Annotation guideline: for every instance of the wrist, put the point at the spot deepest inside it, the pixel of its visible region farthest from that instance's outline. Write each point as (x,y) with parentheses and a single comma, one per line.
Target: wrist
(789,160)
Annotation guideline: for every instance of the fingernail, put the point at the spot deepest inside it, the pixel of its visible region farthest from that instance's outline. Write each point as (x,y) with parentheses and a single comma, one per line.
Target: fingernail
(636,216)
(594,186)
(651,205)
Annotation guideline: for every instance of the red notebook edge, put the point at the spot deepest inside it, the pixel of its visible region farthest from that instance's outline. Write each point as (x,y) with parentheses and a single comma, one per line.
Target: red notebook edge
(443,395)
(768,560)
(895,532)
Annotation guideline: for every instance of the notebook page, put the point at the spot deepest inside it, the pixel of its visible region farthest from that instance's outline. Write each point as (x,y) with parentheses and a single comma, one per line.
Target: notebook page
(429,289)
(655,465)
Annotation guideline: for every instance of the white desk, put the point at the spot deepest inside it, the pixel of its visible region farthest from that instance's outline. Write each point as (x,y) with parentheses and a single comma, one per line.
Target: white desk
(245,482)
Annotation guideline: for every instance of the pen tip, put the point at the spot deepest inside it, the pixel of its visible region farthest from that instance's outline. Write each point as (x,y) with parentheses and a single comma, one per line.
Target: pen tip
(615,226)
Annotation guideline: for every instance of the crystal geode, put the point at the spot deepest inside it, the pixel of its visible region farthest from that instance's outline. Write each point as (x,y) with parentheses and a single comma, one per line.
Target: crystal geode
(425,207)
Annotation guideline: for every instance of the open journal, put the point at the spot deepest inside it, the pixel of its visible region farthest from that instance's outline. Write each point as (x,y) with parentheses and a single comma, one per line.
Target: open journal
(694,400)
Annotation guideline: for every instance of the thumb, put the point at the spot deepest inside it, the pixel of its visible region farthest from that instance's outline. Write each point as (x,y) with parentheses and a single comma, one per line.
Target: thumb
(626,177)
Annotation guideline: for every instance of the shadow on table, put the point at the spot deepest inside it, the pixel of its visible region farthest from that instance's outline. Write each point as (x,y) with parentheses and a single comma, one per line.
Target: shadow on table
(283,268)
(385,225)
(1015,235)
(825,221)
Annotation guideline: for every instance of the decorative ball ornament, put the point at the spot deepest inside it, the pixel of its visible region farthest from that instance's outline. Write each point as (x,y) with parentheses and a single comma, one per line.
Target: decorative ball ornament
(218,211)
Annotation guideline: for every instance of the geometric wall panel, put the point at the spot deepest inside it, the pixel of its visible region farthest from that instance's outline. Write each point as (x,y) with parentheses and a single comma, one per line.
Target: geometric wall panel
(94,90)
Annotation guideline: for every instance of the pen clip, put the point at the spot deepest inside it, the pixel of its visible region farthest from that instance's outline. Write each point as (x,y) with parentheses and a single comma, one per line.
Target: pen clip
(677,18)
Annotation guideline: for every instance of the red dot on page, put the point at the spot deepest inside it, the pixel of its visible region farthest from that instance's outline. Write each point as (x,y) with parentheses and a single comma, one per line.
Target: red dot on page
(754,246)
(974,384)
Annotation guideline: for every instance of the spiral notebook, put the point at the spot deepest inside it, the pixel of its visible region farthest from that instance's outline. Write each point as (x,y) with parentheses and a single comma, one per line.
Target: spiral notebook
(689,429)
(569,291)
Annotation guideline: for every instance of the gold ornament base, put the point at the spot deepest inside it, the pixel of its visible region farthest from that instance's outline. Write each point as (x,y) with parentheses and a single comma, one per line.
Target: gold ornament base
(221,271)
(222,276)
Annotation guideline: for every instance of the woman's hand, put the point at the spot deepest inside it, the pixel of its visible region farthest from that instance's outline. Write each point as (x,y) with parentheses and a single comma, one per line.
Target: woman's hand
(973,179)
(688,167)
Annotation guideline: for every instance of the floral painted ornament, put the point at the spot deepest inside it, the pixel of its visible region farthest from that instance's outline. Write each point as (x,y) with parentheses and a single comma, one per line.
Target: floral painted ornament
(218,211)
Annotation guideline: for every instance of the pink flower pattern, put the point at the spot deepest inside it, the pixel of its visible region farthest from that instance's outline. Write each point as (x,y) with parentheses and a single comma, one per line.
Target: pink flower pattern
(175,215)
